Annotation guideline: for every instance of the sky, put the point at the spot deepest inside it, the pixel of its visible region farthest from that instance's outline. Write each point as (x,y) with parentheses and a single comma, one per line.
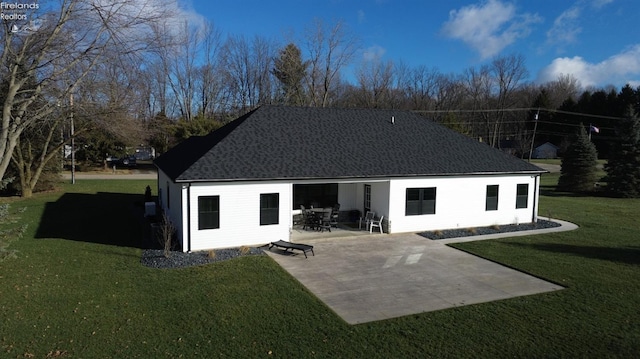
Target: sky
(597,41)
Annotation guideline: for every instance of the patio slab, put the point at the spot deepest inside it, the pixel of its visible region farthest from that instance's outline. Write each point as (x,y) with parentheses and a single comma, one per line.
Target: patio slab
(375,277)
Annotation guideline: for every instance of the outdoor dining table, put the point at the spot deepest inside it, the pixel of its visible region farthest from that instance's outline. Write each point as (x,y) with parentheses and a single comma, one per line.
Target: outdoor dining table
(313,217)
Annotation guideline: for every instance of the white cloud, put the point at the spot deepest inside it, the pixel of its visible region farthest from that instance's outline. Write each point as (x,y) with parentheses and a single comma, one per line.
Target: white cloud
(600,3)
(373,53)
(617,70)
(361,17)
(489,27)
(172,15)
(565,27)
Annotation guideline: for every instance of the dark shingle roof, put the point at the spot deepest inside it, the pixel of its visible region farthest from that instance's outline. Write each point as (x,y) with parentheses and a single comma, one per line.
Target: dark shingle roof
(278,142)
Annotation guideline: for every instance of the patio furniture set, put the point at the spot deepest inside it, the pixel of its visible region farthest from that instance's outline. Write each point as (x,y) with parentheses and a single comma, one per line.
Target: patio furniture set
(320,219)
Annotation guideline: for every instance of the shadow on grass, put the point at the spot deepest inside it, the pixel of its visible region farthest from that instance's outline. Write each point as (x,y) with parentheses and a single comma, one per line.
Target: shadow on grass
(627,255)
(553,191)
(104,218)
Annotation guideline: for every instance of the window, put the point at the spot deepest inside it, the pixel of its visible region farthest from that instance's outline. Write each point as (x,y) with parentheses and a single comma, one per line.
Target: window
(367,197)
(168,197)
(492,198)
(208,212)
(269,208)
(522,196)
(420,201)
(317,195)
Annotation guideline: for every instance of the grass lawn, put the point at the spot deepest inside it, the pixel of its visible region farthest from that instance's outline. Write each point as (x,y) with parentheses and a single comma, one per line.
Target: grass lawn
(77,289)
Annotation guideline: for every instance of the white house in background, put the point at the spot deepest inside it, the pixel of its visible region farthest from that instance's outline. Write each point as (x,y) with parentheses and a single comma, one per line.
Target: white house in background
(242,184)
(545,150)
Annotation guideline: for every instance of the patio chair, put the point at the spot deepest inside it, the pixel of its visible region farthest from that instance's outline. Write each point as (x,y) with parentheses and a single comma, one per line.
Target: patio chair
(335,213)
(376,223)
(325,221)
(367,219)
(310,220)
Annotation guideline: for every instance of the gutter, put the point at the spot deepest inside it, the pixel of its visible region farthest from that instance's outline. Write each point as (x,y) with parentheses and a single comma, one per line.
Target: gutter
(360,177)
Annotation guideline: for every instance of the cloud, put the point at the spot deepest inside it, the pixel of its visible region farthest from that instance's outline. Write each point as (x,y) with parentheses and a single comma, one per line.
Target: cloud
(373,53)
(489,27)
(172,15)
(565,27)
(617,70)
(361,17)
(600,3)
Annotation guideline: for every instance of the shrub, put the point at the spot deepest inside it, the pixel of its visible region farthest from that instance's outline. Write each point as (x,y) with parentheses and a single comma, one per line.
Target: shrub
(166,232)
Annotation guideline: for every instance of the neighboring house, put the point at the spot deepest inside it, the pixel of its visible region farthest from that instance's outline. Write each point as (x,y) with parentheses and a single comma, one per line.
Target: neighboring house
(545,150)
(242,184)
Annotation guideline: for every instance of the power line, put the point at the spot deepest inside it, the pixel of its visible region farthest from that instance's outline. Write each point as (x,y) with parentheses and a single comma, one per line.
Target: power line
(521,110)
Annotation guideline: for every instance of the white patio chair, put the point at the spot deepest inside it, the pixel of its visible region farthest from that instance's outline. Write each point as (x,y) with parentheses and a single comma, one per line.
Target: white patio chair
(376,223)
(367,220)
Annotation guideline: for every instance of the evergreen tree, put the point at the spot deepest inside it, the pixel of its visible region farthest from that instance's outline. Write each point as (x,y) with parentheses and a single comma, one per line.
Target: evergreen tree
(578,172)
(623,166)
(291,70)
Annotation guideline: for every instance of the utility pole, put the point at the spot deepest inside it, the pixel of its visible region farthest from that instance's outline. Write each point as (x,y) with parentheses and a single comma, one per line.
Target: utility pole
(533,138)
(73,147)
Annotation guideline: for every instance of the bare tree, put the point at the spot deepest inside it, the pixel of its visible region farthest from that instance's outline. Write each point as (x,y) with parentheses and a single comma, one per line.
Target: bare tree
(508,73)
(419,85)
(449,94)
(209,85)
(564,87)
(47,59)
(330,50)
(478,85)
(246,70)
(375,80)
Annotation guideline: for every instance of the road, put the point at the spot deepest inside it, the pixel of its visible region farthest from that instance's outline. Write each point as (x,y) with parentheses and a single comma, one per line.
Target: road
(549,167)
(133,174)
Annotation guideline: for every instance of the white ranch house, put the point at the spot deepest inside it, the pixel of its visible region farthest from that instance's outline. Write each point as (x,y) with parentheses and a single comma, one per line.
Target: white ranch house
(243,183)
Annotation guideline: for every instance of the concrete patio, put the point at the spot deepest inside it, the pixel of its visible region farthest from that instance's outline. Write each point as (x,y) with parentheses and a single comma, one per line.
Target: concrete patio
(365,278)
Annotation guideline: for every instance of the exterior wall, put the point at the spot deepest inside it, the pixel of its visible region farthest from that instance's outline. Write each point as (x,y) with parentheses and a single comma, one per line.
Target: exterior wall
(176,209)
(347,196)
(239,215)
(380,198)
(460,202)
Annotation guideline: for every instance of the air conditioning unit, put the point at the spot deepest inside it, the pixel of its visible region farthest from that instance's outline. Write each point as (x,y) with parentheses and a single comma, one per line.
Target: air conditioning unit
(149,209)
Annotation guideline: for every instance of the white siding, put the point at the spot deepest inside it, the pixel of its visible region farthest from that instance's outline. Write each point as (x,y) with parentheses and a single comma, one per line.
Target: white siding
(460,202)
(177,204)
(380,198)
(240,215)
(347,196)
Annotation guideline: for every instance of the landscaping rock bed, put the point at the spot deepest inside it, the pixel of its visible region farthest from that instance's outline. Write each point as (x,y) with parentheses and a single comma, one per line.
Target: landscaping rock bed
(476,231)
(155,258)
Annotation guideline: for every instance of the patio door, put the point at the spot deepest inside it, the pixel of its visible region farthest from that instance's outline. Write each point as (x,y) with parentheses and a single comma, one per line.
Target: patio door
(367,199)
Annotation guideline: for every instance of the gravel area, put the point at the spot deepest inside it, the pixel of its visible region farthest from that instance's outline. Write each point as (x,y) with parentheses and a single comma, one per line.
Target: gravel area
(155,258)
(466,232)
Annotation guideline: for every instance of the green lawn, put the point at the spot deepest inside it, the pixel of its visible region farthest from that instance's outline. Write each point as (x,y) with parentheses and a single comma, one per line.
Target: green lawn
(77,289)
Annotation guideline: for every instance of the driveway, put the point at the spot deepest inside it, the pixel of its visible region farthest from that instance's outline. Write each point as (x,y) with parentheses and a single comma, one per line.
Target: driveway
(377,277)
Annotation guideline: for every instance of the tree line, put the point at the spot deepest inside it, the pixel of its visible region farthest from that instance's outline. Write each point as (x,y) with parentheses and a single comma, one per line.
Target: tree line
(130,74)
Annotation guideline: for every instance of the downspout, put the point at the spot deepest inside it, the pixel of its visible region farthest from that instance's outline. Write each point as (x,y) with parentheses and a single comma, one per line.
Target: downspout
(535,199)
(188,218)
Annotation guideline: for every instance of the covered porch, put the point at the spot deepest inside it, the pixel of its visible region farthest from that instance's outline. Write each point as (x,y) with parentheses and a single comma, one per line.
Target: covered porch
(353,197)
(347,229)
